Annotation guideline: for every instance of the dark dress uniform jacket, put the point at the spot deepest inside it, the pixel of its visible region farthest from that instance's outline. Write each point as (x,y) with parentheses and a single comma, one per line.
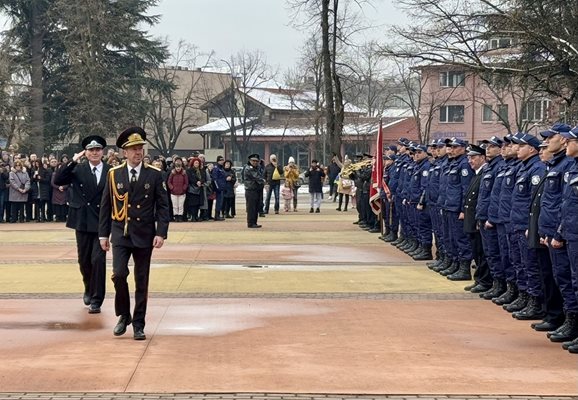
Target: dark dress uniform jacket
(535,208)
(471,202)
(147,208)
(84,203)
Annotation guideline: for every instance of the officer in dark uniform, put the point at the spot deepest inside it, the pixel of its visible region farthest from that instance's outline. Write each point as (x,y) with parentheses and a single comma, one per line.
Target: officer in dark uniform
(134,212)
(87,181)
(420,206)
(408,212)
(477,160)
(528,272)
(438,150)
(448,257)
(559,274)
(397,182)
(567,233)
(390,230)
(254,181)
(489,233)
(459,176)
(554,314)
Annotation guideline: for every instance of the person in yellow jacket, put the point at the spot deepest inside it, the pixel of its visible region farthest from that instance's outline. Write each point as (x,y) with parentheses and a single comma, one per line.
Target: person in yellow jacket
(291,172)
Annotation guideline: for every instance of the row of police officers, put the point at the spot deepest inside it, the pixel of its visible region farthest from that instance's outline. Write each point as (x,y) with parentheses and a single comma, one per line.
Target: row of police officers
(510,205)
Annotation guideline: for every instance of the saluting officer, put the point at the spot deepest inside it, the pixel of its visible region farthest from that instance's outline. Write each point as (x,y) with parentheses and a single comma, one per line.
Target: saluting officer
(134,213)
(87,182)
(489,233)
(528,274)
(459,176)
(254,181)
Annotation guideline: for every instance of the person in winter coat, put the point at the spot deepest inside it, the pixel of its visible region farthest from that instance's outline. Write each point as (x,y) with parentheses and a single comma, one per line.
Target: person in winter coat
(18,192)
(178,184)
(273,176)
(219,184)
(195,192)
(287,195)
(316,176)
(230,187)
(40,189)
(291,172)
(59,200)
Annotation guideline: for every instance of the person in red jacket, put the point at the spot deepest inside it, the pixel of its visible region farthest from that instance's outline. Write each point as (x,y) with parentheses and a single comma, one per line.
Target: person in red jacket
(178,184)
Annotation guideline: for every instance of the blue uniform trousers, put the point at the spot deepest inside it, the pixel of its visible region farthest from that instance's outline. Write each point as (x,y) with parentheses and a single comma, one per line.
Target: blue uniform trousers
(460,241)
(390,220)
(572,250)
(449,246)
(424,226)
(528,269)
(398,215)
(507,269)
(516,260)
(437,227)
(491,245)
(408,221)
(562,274)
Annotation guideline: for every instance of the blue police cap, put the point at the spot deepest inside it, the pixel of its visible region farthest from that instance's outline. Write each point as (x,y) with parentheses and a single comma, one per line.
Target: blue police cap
(508,138)
(456,142)
(392,147)
(434,143)
(556,129)
(494,140)
(516,137)
(572,134)
(421,147)
(391,157)
(403,141)
(528,139)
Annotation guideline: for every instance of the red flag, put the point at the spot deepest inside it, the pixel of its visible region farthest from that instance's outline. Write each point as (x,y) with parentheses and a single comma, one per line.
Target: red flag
(377,173)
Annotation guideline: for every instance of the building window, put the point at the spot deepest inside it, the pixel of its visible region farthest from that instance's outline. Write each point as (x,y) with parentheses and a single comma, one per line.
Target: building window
(500,43)
(452,78)
(503,112)
(452,114)
(536,110)
(487,113)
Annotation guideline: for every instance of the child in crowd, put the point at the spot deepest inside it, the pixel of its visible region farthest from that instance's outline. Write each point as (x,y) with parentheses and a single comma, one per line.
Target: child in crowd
(287,195)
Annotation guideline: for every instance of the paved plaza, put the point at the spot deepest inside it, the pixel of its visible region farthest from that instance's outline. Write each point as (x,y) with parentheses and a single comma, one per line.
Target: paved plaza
(308,307)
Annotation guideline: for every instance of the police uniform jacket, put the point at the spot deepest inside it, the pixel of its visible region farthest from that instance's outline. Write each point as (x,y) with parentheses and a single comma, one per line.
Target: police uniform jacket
(558,168)
(508,185)
(405,184)
(433,186)
(535,212)
(397,174)
(527,180)
(568,229)
(444,177)
(419,182)
(471,202)
(459,176)
(489,173)
(494,205)
(142,215)
(85,194)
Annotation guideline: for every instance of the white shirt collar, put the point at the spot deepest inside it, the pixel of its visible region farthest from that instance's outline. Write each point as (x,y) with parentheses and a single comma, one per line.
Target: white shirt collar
(479,169)
(137,168)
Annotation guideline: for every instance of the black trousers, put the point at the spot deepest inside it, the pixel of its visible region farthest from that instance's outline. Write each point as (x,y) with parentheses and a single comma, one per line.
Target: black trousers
(552,296)
(482,275)
(253,201)
(120,272)
(92,262)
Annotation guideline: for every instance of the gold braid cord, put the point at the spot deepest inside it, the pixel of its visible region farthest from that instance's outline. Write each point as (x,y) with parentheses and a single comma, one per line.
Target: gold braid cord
(118,214)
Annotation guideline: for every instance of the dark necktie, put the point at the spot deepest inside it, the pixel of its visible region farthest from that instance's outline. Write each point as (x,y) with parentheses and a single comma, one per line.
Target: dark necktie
(95,176)
(133,178)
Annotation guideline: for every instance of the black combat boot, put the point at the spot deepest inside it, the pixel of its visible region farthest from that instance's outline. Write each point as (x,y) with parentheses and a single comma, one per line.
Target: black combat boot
(454,267)
(519,304)
(567,345)
(463,273)
(403,243)
(424,255)
(392,237)
(407,245)
(546,326)
(567,333)
(509,296)
(498,288)
(534,310)
(413,247)
(416,251)
(446,263)
(438,260)
(397,241)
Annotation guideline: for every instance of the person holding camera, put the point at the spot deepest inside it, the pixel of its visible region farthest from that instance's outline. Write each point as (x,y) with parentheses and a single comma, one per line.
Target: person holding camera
(316,176)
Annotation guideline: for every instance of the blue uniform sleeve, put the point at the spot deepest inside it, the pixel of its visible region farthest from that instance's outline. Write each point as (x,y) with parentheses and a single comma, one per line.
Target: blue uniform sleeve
(466,173)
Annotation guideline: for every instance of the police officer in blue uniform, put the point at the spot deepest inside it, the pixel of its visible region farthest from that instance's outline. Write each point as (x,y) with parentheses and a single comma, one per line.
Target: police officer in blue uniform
(438,150)
(390,224)
(567,233)
(459,176)
(489,234)
(407,210)
(548,223)
(418,199)
(528,273)
(508,248)
(396,190)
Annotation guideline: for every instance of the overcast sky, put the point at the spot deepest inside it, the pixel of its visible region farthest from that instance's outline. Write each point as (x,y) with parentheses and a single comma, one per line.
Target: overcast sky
(227,26)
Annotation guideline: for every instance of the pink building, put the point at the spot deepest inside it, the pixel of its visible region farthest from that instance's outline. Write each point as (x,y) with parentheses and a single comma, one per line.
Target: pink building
(457,103)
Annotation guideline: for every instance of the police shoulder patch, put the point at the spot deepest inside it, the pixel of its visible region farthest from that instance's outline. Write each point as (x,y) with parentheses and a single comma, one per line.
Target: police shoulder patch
(566,177)
(465,172)
(535,180)
(573,181)
(425,173)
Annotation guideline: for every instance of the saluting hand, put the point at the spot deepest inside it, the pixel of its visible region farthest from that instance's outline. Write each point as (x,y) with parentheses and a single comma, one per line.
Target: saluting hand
(78,156)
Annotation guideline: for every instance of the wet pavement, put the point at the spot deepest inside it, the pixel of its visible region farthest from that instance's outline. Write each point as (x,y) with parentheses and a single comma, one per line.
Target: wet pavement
(308,304)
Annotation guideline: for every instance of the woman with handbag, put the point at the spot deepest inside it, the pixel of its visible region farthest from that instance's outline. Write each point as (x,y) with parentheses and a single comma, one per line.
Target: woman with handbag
(195,191)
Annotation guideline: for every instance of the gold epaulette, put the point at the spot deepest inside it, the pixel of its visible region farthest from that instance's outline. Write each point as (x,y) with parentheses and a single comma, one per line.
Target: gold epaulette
(151,166)
(123,165)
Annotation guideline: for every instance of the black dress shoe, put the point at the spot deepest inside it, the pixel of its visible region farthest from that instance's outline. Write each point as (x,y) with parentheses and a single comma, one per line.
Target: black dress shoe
(479,289)
(139,334)
(545,326)
(94,309)
(123,322)
(86,299)
(254,226)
